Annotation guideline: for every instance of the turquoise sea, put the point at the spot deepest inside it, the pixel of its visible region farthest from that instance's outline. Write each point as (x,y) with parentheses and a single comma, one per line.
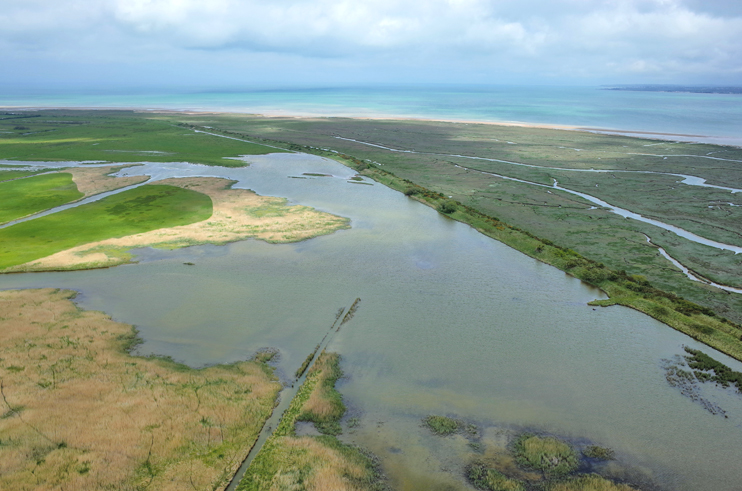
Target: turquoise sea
(713,118)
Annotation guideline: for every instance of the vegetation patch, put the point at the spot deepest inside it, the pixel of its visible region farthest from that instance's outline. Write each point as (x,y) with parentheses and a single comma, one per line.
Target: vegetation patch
(312,463)
(305,364)
(441,425)
(24,197)
(84,414)
(549,455)
(324,407)
(488,479)
(588,482)
(706,369)
(598,453)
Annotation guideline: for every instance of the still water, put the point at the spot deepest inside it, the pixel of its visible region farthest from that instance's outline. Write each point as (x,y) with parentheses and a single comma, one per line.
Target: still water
(451,322)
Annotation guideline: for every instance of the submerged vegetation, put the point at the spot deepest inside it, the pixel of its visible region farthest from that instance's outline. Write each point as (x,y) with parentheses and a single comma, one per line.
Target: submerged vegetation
(588,482)
(686,373)
(441,425)
(488,479)
(706,369)
(598,453)
(529,462)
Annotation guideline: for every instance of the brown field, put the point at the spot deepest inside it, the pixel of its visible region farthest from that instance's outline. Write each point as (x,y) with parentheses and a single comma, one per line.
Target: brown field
(238,214)
(96,180)
(79,413)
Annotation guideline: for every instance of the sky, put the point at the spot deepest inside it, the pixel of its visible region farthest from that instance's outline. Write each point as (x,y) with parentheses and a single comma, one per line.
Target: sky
(103,44)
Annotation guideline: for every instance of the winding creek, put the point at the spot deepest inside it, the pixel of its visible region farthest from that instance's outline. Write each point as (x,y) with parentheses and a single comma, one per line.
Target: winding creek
(452,323)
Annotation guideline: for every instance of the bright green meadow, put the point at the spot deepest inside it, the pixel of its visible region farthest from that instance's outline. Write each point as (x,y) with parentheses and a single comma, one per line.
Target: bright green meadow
(34,194)
(130,212)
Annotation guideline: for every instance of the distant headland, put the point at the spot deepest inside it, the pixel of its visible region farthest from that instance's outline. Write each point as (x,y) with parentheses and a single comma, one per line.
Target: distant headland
(697,89)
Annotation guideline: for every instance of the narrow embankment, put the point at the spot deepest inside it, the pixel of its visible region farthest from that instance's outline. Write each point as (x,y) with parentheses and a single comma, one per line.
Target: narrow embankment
(288,394)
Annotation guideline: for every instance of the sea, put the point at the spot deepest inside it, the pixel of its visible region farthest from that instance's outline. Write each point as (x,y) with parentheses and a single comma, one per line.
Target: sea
(681,116)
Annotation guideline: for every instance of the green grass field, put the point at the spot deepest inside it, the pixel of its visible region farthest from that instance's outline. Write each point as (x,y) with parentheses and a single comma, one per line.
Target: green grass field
(130,212)
(116,137)
(8,174)
(34,194)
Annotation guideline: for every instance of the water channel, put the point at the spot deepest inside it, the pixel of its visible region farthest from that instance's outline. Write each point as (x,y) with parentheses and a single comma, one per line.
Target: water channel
(451,323)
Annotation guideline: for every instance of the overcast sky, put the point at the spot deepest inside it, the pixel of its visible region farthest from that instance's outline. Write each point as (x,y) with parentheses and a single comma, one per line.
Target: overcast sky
(238,43)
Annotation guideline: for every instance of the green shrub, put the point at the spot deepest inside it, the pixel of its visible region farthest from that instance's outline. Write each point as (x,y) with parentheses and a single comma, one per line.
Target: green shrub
(446,207)
(441,425)
(551,456)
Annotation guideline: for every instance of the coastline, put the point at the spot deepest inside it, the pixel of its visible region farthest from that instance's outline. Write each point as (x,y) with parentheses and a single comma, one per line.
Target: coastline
(648,135)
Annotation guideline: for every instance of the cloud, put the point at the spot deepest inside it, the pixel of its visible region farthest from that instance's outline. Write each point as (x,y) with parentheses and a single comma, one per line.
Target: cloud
(586,39)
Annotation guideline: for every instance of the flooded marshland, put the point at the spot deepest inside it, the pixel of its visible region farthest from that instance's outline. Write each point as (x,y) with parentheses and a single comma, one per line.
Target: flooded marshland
(451,323)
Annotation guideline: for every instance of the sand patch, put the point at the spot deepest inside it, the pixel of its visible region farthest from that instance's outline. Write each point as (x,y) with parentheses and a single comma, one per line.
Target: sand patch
(96,180)
(238,214)
(77,412)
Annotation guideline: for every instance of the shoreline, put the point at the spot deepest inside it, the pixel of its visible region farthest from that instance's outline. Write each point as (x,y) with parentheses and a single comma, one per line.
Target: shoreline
(728,141)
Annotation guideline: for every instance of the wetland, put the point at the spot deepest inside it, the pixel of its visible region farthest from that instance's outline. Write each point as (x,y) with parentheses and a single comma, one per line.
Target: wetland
(452,324)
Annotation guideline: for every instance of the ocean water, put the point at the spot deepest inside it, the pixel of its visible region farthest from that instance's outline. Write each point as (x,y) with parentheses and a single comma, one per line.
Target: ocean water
(715,118)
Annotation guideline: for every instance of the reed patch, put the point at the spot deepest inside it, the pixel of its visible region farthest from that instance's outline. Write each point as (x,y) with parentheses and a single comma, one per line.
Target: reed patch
(79,412)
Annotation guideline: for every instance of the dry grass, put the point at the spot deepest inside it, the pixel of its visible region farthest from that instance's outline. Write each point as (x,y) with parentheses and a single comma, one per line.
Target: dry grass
(79,413)
(312,464)
(322,463)
(238,214)
(324,403)
(95,180)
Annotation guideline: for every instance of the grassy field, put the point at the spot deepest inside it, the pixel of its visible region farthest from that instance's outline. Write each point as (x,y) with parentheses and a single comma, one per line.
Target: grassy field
(558,228)
(7,174)
(134,211)
(34,194)
(115,136)
(238,214)
(78,412)
(320,463)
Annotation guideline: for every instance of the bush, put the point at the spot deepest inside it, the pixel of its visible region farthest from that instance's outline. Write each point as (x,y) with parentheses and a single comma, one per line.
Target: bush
(446,207)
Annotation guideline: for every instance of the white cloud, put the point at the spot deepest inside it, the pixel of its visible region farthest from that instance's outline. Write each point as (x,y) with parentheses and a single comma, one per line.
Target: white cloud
(584,38)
